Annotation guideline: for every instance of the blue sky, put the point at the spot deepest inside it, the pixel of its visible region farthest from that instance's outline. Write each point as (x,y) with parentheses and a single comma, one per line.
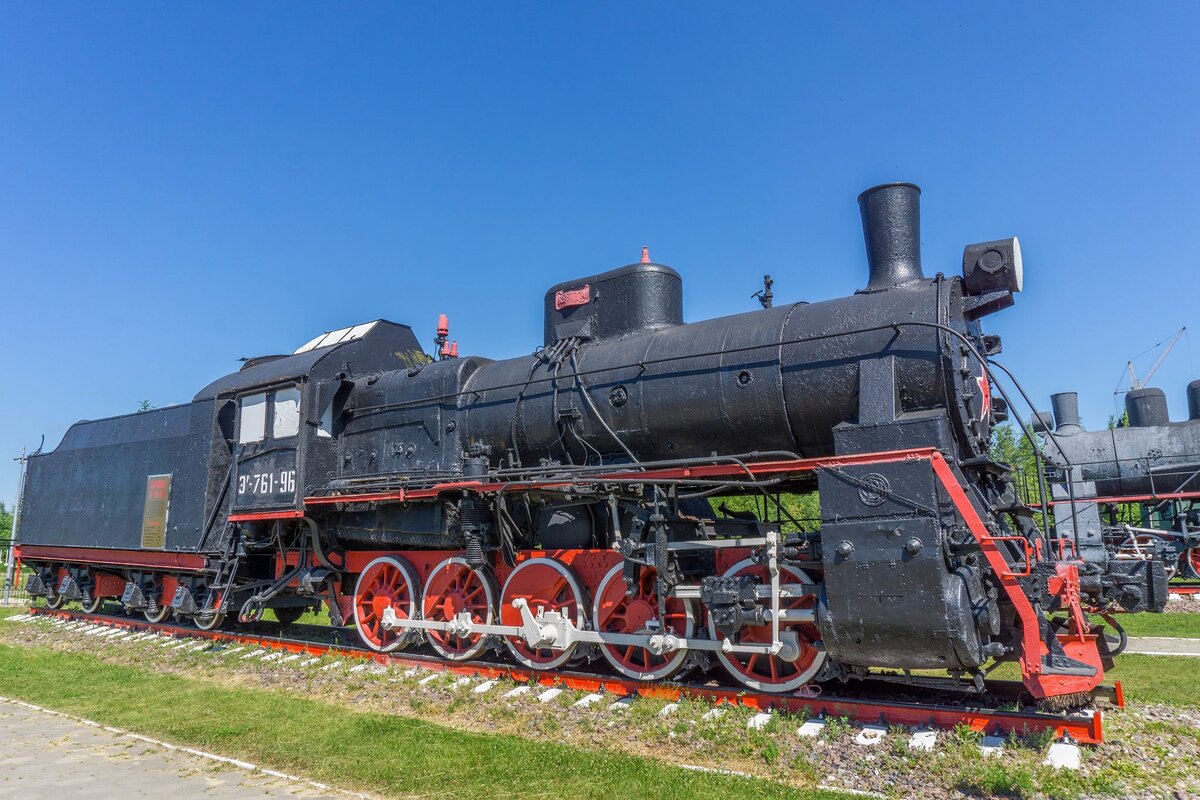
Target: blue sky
(184,184)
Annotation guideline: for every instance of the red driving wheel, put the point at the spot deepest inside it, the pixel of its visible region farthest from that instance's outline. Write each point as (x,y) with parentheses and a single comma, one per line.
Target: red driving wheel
(1191,559)
(763,672)
(386,582)
(616,612)
(452,588)
(546,585)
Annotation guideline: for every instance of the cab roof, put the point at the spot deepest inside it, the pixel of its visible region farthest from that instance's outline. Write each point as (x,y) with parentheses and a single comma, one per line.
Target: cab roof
(369,347)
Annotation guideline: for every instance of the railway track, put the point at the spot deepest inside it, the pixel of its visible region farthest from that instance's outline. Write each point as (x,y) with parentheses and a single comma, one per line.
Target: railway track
(887,699)
(1184,587)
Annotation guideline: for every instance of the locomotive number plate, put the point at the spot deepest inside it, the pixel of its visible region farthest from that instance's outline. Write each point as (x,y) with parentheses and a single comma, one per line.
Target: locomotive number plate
(266,480)
(267,483)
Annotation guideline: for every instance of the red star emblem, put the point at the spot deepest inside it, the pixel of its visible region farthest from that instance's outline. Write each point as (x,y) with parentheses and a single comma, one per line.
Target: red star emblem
(985,389)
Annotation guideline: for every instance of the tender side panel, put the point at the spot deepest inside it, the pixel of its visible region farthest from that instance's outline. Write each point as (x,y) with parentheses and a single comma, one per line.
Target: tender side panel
(92,490)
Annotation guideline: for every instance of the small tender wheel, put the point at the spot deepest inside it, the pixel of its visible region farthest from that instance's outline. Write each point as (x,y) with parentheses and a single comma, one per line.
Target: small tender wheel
(207,618)
(452,588)
(289,614)
(209,621)
(54,601)
(164,611)
(385,582)
(615,612)
(766,673)
(93,605)
(546,585)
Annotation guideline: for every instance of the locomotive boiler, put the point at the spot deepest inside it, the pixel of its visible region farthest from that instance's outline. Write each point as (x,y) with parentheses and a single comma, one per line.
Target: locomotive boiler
(572,506)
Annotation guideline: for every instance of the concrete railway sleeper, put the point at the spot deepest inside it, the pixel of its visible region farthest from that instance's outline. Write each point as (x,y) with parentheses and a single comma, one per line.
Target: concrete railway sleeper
(941,703)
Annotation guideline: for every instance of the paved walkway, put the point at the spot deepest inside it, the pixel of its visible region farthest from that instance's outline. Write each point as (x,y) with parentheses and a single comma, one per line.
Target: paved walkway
(1163,646)
(49,757)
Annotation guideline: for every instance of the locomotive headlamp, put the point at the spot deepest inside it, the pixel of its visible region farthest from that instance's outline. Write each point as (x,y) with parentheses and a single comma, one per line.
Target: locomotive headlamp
(992,267)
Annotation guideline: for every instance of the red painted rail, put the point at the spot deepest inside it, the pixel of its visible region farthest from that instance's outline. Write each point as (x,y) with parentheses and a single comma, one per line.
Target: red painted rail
(1086,727)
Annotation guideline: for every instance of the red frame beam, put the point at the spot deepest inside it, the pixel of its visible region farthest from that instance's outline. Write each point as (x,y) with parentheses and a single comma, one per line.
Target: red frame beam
(260,515)
(151,559)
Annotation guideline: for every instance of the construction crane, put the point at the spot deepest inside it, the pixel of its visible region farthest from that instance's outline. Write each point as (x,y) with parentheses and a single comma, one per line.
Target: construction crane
(1134,383)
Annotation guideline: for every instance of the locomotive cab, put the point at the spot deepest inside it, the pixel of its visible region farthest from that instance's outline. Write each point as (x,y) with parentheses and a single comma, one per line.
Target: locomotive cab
(268,434)
(287,413)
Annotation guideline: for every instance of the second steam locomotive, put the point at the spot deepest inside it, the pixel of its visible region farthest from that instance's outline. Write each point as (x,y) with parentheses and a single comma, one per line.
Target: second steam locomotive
(1133,488)
(567,508)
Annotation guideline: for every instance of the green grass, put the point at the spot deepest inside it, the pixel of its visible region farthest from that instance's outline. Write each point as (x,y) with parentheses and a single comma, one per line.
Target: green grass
(1157,679)
(998,780)
(308,618)
(1185,626)
(1170,680)
(386,755)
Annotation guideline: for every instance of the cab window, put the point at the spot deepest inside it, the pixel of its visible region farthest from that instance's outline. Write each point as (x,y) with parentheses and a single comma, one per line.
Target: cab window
(286,420)
(277,411)
(252,421)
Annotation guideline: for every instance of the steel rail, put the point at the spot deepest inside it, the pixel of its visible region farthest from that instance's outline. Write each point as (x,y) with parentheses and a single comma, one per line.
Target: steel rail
(1085,727)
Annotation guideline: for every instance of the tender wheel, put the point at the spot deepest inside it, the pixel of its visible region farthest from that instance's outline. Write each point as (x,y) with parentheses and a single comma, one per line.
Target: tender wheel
(164,611)
(386,582)
(93,605)
(56,600)
(546,585)
(207,618)
(208,621)
(289,614)
(452,588)
(766,673)
(615,612)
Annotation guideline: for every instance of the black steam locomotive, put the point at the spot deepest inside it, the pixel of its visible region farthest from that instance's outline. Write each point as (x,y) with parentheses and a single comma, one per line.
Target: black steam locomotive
(1133,489)
(563,506)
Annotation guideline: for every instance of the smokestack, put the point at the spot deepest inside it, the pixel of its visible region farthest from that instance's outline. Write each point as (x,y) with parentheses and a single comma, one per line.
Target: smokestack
(1066,412)
(891,219)
(1193,393)
(1146,407)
